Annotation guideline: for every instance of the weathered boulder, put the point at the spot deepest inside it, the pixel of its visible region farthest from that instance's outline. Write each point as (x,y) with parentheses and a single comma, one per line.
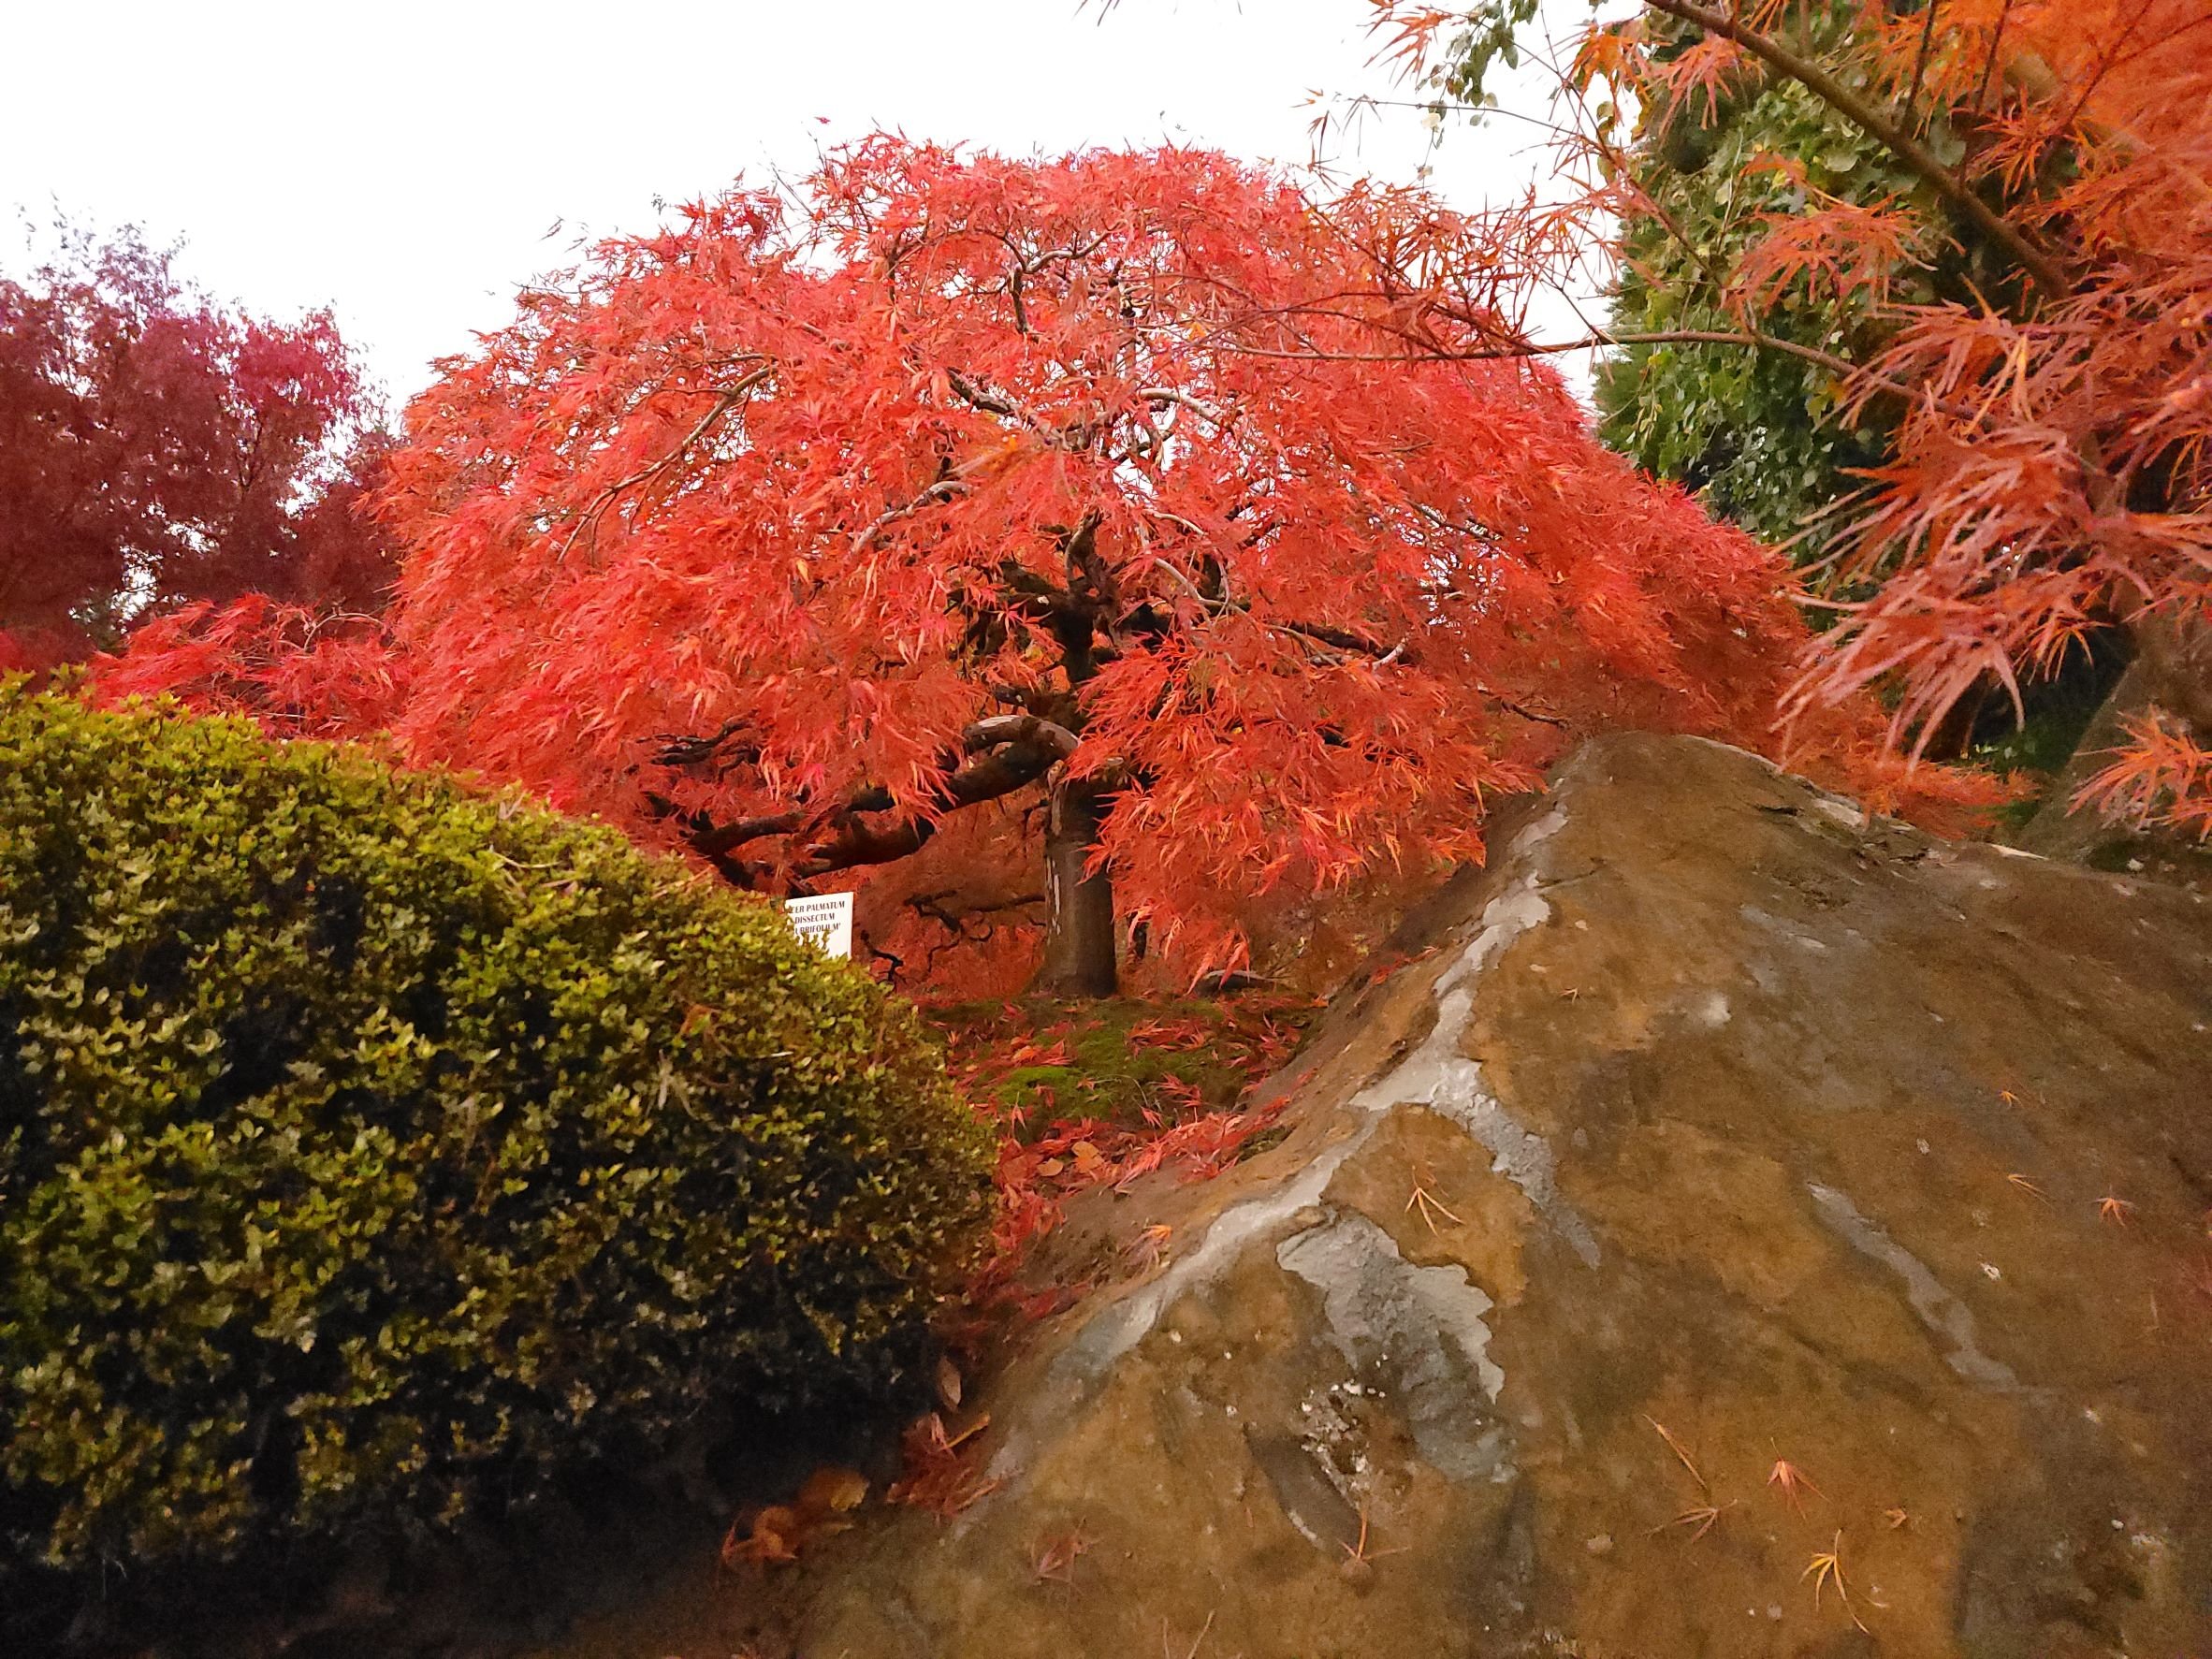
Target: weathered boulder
(1748,1229)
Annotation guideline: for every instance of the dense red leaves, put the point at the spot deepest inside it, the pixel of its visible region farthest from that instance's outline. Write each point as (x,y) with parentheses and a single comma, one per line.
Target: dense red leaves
(1149,447)
(2164,778)
(156,449)
(301,673)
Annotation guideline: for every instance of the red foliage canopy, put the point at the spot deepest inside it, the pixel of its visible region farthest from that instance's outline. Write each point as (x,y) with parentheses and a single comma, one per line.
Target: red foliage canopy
(791,532)
(155,448)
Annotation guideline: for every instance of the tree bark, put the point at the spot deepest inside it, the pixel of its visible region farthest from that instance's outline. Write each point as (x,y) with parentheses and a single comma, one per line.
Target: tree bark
(2057,830)
(1079,942)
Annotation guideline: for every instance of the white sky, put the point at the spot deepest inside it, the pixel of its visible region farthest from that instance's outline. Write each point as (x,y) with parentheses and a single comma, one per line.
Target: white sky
(403,160)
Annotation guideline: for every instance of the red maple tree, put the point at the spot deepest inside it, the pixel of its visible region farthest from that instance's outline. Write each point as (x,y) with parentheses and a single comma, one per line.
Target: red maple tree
(1104,489)
(156,449)
(2052,473)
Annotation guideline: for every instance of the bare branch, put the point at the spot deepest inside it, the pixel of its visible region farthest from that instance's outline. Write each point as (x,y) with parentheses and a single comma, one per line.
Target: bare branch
(1161,393)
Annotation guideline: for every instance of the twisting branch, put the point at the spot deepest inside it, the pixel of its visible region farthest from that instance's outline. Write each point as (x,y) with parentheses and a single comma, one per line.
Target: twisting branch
(1190,585)
(944,489)
(1008,752)
(1089,581)
(1005,769)
(989,403)
(944,908)
(1862,112)
(1339,639)
(1161,393)
(1034,730)
(680,750)
(1075,435)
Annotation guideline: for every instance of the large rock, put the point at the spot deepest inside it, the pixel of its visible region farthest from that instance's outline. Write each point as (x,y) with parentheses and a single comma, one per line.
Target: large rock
(1719,1130)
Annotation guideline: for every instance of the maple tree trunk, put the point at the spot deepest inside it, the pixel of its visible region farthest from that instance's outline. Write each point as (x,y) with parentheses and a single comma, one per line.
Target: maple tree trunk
(1078,908)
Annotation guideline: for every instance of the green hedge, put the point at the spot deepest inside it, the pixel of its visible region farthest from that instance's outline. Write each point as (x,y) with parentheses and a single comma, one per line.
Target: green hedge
(369,1148)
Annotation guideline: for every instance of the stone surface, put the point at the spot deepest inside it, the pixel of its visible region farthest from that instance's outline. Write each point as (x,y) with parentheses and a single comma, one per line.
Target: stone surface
(1713,1129)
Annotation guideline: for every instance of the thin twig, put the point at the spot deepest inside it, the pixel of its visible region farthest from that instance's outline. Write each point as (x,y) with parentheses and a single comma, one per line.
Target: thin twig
(1920,60)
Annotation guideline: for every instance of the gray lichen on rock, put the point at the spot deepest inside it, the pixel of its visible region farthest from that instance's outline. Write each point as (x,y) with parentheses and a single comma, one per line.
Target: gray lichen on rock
(1943,1313)
(1417,1332)
(1439,1074)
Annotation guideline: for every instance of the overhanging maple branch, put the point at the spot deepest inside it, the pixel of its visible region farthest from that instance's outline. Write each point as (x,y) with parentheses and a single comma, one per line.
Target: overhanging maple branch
(1596,341)
(1863,112)
(1843,368)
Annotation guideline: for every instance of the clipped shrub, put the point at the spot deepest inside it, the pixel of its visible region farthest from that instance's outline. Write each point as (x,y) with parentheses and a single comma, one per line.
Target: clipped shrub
(371,1148)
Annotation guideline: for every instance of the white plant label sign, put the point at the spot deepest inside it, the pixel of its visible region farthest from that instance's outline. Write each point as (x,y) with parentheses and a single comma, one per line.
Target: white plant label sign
(827,921)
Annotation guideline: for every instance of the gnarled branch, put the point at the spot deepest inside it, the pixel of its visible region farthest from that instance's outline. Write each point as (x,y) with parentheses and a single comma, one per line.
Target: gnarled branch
(1008,752)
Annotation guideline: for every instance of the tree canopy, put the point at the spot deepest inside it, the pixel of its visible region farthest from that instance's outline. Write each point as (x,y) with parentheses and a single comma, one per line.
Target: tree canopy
(1141,488)
(157,448)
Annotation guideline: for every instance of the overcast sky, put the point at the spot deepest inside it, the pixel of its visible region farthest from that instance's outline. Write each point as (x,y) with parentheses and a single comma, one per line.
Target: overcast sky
(403,160)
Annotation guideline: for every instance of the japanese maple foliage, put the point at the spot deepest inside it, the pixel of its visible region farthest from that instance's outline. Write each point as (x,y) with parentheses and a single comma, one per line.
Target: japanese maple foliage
(156,449)
(2052,464)
(300,672)
(1107,483)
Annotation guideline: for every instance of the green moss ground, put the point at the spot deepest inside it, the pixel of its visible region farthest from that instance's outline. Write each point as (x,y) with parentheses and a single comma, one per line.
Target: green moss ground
(1135,1062)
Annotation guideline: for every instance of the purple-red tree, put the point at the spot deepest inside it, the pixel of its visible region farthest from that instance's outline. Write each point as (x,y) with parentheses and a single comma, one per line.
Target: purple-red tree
(157,448)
